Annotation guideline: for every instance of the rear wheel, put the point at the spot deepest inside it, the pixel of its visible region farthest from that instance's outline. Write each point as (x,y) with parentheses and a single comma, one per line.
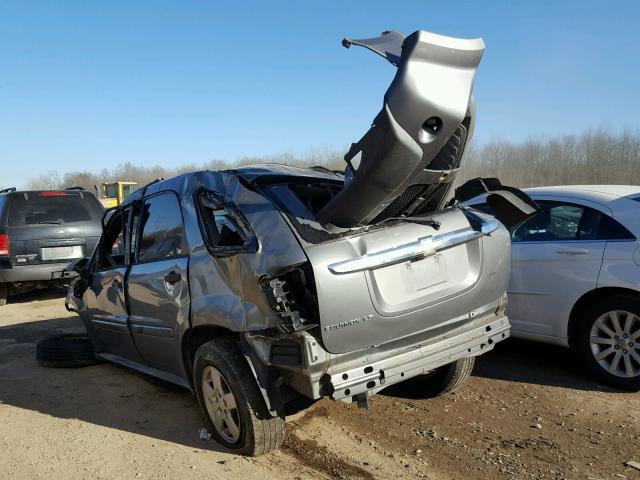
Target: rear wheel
(609,341)
(231,401)
(4,293)
(441,381)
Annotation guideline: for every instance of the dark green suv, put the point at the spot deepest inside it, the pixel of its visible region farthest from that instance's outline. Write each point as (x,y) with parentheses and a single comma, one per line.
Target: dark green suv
(41,232)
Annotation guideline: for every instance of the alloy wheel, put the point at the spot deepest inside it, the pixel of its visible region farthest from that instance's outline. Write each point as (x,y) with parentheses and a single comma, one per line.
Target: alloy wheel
(615,343)
(221,404)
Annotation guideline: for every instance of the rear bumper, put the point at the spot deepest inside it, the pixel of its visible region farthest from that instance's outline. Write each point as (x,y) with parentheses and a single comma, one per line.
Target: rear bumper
(420,360)
(313,372)
(30,273)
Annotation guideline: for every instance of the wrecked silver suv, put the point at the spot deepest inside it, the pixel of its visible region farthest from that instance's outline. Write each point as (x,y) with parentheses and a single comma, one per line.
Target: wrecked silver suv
(254,286)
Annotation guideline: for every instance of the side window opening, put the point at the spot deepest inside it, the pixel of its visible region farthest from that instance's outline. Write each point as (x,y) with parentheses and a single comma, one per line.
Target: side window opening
(133,240)
(160,219)
(112,247)
(225,232)
(224,228)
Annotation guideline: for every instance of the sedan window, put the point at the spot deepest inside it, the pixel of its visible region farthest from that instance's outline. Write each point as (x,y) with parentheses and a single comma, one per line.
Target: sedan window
(555,221)
(613,230)
(558,221)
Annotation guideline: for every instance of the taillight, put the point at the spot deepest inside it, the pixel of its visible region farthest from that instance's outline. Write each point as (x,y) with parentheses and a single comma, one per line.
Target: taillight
(4,245)
(292,298)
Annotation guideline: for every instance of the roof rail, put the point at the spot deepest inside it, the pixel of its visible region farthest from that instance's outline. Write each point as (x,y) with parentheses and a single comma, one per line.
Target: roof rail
(144,189)
(77,187)
(159,179)
(8,190)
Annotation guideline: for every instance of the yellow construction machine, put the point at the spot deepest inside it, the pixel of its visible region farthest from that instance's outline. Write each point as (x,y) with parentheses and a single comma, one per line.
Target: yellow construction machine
(112,193)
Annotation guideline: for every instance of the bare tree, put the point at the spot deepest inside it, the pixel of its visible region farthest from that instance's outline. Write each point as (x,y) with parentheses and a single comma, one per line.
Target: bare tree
(49,180)
(595,157)
(86,180)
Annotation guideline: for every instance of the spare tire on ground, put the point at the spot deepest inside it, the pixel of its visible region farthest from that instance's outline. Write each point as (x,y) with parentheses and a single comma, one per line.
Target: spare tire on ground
(68,350)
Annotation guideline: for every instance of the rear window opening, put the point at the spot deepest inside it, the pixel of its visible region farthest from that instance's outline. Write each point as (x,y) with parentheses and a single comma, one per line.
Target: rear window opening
(52,208)
(315,196)
(300,199)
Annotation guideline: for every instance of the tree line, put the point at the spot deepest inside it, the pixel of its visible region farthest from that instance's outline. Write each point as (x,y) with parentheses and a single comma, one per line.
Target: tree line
(598,156)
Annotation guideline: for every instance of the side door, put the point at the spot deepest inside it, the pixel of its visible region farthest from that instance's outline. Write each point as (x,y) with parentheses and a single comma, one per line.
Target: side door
(106,318)
(556,257)
(157,285)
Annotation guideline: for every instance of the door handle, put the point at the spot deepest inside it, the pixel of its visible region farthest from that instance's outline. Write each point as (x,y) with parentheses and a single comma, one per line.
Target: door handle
(573,251)
(117,284)
(172,277)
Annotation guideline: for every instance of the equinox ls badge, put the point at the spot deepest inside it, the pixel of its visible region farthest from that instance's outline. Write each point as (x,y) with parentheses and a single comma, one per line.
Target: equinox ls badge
(348,323)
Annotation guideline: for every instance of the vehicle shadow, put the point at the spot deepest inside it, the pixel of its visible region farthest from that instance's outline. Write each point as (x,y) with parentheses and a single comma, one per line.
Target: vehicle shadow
(105,394)
(524,362)
(537,363)
(38,295)
(119,398)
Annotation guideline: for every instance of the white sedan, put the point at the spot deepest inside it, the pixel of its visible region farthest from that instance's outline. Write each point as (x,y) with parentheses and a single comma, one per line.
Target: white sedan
(575,276)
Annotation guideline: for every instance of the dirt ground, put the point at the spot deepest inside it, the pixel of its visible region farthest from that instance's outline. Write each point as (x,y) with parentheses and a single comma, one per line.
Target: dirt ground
(529,412)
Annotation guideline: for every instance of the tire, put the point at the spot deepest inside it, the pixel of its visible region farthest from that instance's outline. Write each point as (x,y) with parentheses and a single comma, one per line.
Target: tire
(258,432)
(4,293)
(70,350)
(616,337)
(443,380)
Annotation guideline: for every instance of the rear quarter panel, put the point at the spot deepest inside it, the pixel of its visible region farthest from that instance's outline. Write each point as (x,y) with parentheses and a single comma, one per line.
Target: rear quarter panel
(225,290)
(621,265)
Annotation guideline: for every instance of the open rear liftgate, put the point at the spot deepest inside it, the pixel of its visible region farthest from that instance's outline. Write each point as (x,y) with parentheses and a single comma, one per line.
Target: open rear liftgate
(411,154)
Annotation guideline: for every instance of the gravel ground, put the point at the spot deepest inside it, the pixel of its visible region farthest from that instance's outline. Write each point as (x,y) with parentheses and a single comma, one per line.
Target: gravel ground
(529,412)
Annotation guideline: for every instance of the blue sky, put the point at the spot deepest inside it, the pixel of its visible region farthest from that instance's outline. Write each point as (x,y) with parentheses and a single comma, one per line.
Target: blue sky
(86,85)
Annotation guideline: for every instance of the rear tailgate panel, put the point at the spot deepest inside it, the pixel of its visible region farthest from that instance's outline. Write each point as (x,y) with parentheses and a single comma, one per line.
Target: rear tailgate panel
(52,244)
(52,226)
(373,306)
